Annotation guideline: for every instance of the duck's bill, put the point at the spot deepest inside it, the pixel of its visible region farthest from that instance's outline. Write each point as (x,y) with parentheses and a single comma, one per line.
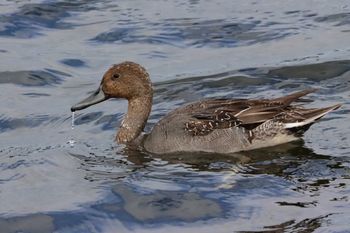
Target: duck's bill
(97,97)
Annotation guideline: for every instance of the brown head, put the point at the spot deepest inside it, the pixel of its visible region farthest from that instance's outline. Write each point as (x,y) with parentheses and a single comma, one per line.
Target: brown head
(130,81)
(126,80)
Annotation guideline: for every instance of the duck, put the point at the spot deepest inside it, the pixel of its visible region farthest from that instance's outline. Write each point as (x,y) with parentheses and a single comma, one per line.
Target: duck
(210,125)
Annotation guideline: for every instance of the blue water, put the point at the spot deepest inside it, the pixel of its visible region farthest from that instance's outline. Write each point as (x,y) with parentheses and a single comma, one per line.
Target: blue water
(57,179)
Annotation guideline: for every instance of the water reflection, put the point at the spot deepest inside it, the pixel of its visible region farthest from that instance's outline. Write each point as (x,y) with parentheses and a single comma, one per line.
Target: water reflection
(163,177)
(339,19)
(192,32)
(313,72)
(33,78)
(26,23)
(167,206)
(37,223)
(290,161)
(306,225)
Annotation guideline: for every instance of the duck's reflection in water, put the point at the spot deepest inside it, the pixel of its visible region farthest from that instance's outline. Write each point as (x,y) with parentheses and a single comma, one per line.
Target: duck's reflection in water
(188,187)
(152,190)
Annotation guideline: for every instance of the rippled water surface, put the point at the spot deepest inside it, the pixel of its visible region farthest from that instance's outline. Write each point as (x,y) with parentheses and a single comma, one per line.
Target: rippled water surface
(55,179)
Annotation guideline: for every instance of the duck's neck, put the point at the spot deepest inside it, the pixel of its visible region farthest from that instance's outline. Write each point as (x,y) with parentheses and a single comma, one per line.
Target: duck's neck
(135,119)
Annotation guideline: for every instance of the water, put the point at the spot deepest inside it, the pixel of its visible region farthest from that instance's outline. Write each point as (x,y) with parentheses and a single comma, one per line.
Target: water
(55,179)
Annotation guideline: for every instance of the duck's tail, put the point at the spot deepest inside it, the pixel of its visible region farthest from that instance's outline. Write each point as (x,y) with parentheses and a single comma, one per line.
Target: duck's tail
(310,116)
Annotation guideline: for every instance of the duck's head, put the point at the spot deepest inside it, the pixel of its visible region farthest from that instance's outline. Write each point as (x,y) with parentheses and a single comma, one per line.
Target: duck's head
(126,80)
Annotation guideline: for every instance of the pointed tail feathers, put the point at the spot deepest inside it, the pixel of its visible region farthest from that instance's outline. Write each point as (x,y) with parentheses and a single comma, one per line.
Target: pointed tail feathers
(311,115)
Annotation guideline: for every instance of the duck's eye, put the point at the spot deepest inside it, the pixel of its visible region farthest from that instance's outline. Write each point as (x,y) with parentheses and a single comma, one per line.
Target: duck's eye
(115,76)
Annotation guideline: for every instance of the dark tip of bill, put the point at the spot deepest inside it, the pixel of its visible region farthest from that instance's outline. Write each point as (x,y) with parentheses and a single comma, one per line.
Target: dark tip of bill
(73,109)
(78,107)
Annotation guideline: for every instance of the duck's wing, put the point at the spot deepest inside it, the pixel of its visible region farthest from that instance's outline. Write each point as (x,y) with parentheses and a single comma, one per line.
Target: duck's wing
(248,114)
(228,114)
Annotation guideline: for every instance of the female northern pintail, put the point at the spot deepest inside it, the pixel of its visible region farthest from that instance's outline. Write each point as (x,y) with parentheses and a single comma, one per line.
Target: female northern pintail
(212,125)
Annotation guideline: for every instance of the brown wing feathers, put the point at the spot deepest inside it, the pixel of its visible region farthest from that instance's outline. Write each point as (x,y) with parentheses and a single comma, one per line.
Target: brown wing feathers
(224,113)
(206,123)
